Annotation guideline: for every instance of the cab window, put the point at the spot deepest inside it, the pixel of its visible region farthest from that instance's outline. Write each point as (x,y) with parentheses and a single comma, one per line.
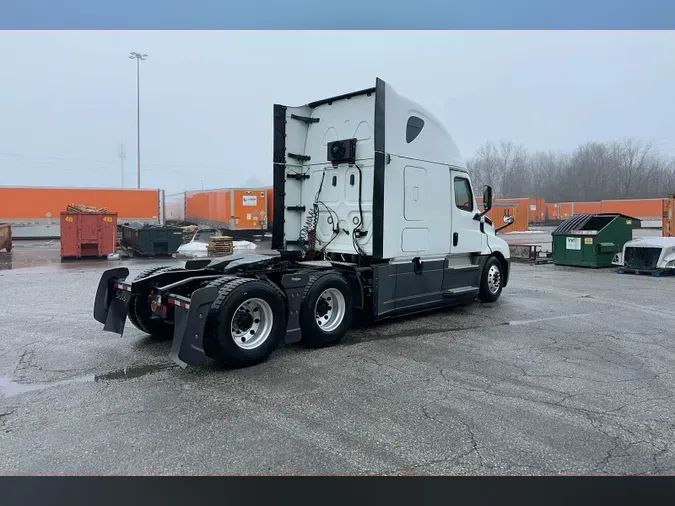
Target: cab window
(463,195)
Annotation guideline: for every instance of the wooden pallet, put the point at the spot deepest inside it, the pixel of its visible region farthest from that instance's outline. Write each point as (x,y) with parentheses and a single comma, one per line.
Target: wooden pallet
(79,208)
(657,273)
(221,245)
(220,239)
(219,252)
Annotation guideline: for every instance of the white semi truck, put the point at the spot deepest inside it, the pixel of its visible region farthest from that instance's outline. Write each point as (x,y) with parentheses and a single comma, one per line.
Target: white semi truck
(374,215)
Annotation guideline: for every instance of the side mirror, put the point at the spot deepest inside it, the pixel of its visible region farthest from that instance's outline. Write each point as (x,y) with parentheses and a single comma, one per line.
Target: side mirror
(508,221)
(487,198)
(487,202)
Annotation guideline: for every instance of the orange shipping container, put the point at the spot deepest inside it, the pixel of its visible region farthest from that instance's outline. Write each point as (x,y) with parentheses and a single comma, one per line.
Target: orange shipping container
(586,207)
(523,213)
(551,211)
(637,208)
(231,209)
(565,210)
(36,211)
(23,203)
(559,211)
(520,217)
(522,203)
(509,207)
(537,210)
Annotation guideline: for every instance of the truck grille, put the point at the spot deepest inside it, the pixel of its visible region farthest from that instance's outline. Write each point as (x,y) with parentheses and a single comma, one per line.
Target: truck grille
(642,258)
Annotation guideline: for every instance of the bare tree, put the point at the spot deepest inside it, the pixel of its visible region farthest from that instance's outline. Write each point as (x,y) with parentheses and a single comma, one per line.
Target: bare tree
(594,171)
(512,166)
(501,166)
(484,165)
(546,170)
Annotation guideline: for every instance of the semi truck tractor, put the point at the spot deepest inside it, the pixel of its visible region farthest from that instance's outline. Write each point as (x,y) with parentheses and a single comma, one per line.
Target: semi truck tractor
(374,217)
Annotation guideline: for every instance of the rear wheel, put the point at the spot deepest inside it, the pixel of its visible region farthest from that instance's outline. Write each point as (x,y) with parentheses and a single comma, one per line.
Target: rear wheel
(491,282)
(140,314)
(246,322)
(132,313)
(326,311)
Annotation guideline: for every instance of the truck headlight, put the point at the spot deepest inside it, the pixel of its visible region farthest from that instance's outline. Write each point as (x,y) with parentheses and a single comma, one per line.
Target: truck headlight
(671,264)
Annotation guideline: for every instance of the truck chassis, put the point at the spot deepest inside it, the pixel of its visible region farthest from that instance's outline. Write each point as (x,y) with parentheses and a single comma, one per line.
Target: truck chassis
(238,309)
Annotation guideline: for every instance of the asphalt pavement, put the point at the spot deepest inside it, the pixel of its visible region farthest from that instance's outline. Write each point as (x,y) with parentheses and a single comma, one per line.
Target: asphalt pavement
(571,371)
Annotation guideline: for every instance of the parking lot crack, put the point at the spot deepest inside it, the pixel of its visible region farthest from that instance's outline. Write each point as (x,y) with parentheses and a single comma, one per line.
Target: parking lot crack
(472,441)
(8,412)
(387,366)
(139,411)
(659,468)
(474,445)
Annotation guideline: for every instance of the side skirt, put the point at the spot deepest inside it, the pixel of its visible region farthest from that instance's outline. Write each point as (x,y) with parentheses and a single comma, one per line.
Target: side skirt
(417,286)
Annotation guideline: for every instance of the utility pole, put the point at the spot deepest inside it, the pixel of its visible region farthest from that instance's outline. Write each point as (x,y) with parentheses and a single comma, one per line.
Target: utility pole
(138,57)
(122,154)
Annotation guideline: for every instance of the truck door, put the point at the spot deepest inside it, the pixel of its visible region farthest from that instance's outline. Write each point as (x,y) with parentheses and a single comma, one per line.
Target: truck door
(466,235)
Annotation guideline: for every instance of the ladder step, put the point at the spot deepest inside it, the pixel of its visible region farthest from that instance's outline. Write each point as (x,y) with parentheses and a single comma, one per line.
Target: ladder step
(305,118)
(302,158)
(295,175)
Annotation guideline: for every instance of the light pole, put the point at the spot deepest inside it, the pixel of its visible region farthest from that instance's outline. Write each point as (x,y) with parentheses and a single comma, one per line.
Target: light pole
(122,153)
(138,57)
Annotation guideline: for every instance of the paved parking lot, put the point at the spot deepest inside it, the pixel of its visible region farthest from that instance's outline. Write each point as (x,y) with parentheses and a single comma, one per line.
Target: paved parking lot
(570,372)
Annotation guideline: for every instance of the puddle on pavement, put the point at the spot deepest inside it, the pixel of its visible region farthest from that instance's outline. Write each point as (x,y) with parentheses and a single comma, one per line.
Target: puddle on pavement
(10,388)
(133,372)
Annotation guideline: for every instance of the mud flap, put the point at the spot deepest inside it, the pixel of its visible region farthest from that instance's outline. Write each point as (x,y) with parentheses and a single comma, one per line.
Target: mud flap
(294,286)
(188,334)
(117,313)
(105,293)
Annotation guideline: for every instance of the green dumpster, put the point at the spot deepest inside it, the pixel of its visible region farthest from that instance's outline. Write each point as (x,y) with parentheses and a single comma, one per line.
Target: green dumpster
(151,240)
(591,240)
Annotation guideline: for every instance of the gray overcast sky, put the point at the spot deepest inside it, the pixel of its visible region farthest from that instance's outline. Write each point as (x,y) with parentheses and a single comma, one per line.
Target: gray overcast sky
(69,98)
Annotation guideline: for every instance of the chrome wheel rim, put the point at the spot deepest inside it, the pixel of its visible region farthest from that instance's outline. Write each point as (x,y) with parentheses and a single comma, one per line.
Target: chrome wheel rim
(494,279)
(329,310)
(251,324)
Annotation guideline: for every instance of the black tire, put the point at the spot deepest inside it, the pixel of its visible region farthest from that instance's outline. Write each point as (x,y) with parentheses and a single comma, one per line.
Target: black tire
(140,314)
(153,270)
(313,335)
(493,272)
(219,342)
(220,282)
(132,312)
